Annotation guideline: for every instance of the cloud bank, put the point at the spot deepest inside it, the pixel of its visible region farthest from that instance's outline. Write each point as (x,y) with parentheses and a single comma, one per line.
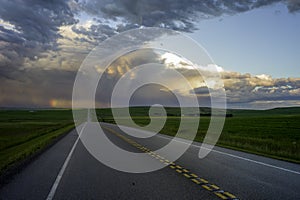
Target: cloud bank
(29,27)
(42,44)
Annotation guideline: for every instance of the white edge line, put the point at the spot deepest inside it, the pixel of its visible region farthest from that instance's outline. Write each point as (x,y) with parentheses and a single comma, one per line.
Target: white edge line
(63,168)
(231,155)
(257,162)
(239,157)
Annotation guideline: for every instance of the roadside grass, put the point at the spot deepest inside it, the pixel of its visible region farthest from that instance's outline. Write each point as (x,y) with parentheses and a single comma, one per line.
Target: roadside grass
(273,133)
(276,136)
(23,133)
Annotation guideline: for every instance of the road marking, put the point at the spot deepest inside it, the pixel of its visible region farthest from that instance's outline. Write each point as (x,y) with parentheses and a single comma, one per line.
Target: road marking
(257,162)
(215,187)
(228,194)
(220,195)
(186,175)
(196,181)
(227,154)
(179,169)
(238,157)
(185,170)
(63,168)
(206,187)
(203,180)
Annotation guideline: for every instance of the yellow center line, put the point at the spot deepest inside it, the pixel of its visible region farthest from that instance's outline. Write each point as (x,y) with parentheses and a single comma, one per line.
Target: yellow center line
(179,169)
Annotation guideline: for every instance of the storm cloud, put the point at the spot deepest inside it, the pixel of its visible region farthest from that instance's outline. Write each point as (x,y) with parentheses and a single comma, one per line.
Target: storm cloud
(42,43)
(29,27)
(173,14)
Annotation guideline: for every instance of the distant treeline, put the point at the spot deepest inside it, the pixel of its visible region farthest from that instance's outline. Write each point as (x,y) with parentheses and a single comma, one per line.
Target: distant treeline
(170,111)
(201,114)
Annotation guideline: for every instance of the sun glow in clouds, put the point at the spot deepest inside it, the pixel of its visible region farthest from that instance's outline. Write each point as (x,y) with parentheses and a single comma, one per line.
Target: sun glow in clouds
(60,103)
(174,61)
(177,62)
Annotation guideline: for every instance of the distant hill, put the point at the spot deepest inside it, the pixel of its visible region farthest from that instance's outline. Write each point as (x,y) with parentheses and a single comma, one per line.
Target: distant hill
(274,111)
(205,111)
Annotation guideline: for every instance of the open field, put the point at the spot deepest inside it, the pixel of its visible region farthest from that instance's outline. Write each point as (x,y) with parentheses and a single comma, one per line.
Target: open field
(274,133)
(25,132)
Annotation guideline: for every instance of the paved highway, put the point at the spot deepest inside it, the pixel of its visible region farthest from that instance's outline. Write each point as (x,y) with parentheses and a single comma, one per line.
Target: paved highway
(68,171)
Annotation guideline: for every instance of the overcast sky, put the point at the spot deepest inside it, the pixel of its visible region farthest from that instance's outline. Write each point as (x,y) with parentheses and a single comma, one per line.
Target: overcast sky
(255,43)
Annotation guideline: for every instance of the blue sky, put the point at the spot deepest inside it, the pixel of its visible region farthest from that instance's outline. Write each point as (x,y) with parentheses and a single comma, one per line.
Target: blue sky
(261,41)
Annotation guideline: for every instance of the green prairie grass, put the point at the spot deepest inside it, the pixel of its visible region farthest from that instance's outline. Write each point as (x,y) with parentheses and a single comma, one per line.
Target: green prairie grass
(274,133)
(24,132)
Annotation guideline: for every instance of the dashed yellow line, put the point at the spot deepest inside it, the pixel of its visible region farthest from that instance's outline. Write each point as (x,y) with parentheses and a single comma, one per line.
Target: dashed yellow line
(195,181)
(186,175)
(179,169)
(203,180)
(220,195)
(207,187)
(214,186)
(230,195)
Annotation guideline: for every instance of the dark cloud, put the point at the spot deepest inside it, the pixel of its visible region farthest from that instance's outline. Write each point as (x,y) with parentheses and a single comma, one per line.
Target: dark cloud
(179,15)
(37,20)
(173,14)
(95,33)
(53,85)
(293,5)
(153,94)
(118,68)
(35,28)
(36,23)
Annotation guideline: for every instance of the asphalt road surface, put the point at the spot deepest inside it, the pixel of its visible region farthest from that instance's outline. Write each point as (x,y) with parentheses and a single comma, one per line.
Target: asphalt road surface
(68,171)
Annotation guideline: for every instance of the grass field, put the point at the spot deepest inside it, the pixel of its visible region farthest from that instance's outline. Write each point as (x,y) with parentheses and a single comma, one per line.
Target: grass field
(274,133)
(24,132)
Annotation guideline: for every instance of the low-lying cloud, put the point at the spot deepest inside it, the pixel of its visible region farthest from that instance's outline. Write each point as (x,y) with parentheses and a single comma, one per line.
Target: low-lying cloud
(248,89)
